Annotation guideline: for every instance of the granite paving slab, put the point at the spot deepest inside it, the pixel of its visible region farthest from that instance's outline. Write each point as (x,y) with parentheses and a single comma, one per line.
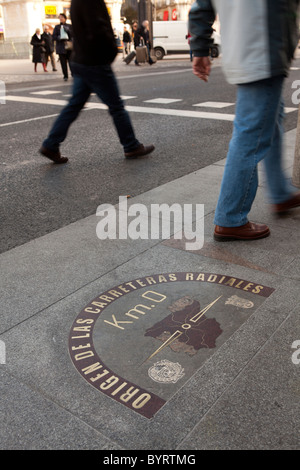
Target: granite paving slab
(142,344)
(38,356)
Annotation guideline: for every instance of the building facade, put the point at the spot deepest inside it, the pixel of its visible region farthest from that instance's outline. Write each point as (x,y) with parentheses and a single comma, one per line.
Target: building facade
(172,10)
(20,19)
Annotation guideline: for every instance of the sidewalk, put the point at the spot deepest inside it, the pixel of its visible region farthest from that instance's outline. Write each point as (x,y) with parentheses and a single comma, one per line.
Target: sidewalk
(89,332)
(21,70)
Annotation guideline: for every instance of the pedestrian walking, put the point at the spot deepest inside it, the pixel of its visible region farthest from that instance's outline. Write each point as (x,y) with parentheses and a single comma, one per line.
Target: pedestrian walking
(136,39)
(62,35)
(144,38)
(49,47)
(258,42)
(126,42)
(188,37)
(91,65)
(38,50)
(134,29)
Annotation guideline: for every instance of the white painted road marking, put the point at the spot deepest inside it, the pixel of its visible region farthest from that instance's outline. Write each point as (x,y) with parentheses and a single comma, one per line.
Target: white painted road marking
(132,109)
(162,100)
(45,92)
(125,97)
(180,113)
(28,120)
(31,99)
(214,104)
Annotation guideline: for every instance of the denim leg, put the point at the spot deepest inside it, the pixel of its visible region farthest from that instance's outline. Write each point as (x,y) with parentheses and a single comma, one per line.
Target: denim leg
(58,133)
(149,54)
(102,81)
(279,188)
(257,110)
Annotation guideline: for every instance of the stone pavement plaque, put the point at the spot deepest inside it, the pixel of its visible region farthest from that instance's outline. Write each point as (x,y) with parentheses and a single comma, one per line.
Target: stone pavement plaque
(142,340)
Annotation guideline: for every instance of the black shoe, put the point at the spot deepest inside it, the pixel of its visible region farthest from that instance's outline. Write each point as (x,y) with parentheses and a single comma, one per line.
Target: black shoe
(65,79)
(54,156)
(140,151)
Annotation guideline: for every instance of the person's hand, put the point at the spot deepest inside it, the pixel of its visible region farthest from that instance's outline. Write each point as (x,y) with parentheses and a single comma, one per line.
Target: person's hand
(202,67)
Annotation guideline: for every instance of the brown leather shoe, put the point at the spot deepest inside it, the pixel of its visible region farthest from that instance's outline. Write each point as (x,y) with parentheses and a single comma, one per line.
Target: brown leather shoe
(140,151)
(249,231)
(54,156)
(291,203)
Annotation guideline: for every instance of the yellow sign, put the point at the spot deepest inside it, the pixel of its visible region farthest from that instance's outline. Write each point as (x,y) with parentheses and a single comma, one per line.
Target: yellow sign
(50,10)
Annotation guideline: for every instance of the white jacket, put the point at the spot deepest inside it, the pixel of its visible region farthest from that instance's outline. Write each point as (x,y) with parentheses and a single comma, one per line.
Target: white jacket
(258,37)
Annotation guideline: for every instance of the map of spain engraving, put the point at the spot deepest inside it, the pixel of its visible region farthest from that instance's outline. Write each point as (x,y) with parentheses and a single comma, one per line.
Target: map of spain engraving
(187,328)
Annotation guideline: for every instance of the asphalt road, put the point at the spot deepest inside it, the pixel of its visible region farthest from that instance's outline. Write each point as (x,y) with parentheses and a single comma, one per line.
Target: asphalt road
(38,197)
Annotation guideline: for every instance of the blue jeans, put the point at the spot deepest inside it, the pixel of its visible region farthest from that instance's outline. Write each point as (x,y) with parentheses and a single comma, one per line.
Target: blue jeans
(257,135)
(101,80)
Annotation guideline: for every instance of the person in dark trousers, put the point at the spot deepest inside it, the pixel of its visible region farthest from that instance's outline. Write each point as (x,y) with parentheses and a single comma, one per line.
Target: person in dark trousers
(49,46)
(38,50)
(126,42)
(143,35)
(61,34)
(91,65)
(136,38)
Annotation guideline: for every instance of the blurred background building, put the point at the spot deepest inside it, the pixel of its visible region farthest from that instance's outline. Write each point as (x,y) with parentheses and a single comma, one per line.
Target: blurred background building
(162,10)
(20,18)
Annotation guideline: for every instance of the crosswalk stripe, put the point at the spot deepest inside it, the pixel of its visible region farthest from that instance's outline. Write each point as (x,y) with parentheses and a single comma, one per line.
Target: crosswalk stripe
(162,100)
(136,109)
(45,92)
(127,97)
(214,104)
(181,113)
(5,124)
(132,109)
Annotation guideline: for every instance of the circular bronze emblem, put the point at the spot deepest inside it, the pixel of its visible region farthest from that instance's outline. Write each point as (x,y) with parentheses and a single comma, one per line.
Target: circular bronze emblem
(141,340)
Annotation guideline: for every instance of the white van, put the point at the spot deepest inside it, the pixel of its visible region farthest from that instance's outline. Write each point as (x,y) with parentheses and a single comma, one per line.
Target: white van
(170,37)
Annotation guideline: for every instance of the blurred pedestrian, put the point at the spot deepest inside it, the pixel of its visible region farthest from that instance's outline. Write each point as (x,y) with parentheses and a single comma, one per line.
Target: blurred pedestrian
(136,38)
(38,50)
(93,53)
(144,34)
(258,42)
(134,30)
(62,35)
(188,37)
(126,42)
(49,46)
